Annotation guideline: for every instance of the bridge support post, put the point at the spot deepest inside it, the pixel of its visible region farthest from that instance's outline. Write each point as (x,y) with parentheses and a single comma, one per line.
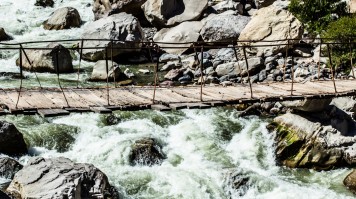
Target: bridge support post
(331,67)
(285,61)
(201,73)
(18,97)
(155,76)
(237,60)
(292,85)
(107,76)
(321,43)
(351,59)
(80,60)
(248,73)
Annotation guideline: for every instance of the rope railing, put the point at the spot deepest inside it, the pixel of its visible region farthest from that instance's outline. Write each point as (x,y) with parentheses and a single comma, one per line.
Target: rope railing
(155,46)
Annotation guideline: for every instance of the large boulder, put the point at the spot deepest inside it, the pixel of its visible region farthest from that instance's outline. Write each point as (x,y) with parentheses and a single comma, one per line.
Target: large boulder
(166,13)
(240,67)
(350,181)
(223,27)
(308,105)
(99,71)
(184,32)
(9,167)
(123,28)
(59,178)
(44,3)
(46,60)
(146,151)
(268,24)
(320,141)
(3,35)
(104,8)
(63,18)
(11,140)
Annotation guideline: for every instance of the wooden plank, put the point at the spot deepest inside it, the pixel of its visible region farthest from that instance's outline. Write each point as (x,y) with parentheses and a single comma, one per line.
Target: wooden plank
(178,106)
(160,107)
(100,109)
(52,112)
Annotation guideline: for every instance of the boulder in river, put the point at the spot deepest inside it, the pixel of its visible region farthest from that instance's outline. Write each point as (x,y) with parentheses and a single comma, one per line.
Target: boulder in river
(60,178)
(268,24)
(46,60)
(11,140)
(223,27)
(233,68)
(184,32)
(63,18)
(125,31)
(99,71)
(167,13)
(308,105)
(9,167)
(44,3)
(3,35)
(350,181)
(146,151)
(236,183)
(322,140)
(104,8)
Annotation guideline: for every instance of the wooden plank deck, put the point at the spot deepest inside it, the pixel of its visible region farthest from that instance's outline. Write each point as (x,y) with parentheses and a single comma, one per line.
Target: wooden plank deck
(44,100)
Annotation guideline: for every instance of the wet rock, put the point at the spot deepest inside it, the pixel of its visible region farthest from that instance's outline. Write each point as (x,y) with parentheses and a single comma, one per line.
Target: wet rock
(223,27)
(320,141)
(308,105)
(236,183)
(46,60)
(99,71)
(104,8)
(162,13)
(173,74)
(112,120)
(182,33)
(147,152)
(350,181)
(3,35)
(44,3)
(121,27)
(266,24)
(11,140)
(254,109)
(63,18)
(60,178)
(9,167)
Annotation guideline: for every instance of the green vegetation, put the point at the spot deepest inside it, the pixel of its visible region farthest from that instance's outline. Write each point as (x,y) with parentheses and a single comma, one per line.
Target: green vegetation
(317,14)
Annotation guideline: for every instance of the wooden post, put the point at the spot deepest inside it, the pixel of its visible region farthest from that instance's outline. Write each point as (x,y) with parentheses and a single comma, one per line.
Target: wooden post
(351,57)
(201,72)
(321,42)
(292,85)
(155,76)
(80,60)
(107,76)
(331,67)
(248,73)
(237,61)
(18,97)
(59,82)
(285,61)
(112,62)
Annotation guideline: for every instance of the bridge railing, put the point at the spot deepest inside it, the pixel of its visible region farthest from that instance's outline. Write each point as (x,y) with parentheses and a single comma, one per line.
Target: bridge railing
(156,47)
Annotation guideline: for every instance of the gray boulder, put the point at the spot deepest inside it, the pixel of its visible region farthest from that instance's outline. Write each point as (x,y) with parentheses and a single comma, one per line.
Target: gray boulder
(174,74)
(269,24)
(99,71)
(11,140)
(223,27)
(225,5)
(122,27)
(184,32)
(9,167)
(166,13)
(63,18)
(350,181)
(104,8)
(308,105)
(226,55)
(46,60)
(233,68)
(147,152)
(59,178)
(44,3)
(3,35)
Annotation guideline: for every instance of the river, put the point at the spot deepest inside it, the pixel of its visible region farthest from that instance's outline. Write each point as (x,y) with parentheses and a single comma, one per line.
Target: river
(202,146)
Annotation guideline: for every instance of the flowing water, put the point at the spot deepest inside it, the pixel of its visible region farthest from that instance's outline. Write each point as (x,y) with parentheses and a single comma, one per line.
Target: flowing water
(202,146)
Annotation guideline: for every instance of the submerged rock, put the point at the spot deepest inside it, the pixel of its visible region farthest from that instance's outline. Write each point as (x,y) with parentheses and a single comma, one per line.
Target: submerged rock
(11,140)
(350,181)
(146,151)
(236,183)
(321,141)
(60,178)
(63,18)
(46,60)
(9,167)
(44,3)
